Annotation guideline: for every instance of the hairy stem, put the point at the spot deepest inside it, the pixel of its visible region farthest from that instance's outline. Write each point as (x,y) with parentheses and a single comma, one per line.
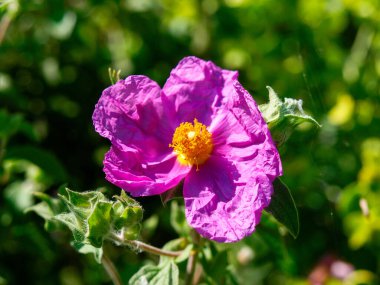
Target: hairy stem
(111,270)
(145,247)
(152,249)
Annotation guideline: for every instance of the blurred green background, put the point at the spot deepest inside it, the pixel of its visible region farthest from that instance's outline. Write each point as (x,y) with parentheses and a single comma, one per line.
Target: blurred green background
(54,59)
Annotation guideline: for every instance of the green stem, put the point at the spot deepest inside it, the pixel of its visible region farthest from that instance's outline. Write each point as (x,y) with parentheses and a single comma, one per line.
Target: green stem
(111,270)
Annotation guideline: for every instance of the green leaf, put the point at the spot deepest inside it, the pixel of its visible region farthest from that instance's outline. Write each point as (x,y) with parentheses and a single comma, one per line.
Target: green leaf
(214,263)
(99,223)
(77,228)
(166,273)
(283,208)
(87,248)
(283,116)
(47,209)
(92,217)
(9,124)
(177,245)
(185,254)
(40,157)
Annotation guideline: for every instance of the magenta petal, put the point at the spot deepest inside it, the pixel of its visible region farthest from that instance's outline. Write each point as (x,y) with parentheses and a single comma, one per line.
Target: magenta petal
(221,204)
(241,134)
(130,111)
(196,88)
(256,151)
(130,114)
(128,171)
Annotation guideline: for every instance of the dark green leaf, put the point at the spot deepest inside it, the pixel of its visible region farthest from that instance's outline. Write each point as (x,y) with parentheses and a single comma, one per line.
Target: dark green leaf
(283,208)
(9,124)
(215,269)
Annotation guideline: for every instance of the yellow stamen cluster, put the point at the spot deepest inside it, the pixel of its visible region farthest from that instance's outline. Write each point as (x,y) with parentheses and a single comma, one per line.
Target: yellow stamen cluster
(192,143)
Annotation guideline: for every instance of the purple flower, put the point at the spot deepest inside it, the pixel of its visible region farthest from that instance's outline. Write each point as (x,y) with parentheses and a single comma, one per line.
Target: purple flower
(203,128)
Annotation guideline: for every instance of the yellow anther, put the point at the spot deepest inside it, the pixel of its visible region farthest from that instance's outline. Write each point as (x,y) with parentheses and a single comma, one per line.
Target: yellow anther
(192,143)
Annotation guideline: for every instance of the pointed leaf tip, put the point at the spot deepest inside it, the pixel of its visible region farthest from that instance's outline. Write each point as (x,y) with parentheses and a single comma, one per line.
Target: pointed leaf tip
(283,116)
(283,208)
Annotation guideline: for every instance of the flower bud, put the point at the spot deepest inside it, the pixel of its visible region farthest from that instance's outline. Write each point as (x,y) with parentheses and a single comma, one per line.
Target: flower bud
(133,232)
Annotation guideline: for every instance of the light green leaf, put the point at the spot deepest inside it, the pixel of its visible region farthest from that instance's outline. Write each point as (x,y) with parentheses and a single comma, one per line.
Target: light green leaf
(174,245)
(99,223)
(87,248)
(92,217)
(185,254)
(166,273)
(47,209)
(283,208)
(40,157)
(77,227)
(283,116)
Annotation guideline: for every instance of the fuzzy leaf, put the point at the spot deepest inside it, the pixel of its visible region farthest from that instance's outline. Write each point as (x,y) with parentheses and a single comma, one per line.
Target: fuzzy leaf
(166,273)
(283,208)
(283,116)
(87,248)
(92,217)
(71,221)
(99,223)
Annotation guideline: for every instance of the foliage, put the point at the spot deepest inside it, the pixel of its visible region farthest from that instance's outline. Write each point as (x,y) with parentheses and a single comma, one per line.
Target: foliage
(54,63)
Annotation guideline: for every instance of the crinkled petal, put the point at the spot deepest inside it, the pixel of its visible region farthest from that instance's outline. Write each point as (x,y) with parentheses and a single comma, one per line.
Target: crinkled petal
(222,202)
(196,89)
(128,171)
(241,134)
(130,114)
(225,198)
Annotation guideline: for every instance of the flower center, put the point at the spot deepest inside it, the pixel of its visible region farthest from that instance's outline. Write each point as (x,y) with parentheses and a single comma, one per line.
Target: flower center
(192,143)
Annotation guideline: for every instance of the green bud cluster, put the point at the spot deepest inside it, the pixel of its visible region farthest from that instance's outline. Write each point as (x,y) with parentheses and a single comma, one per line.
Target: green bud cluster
(93,218)
(127,217)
